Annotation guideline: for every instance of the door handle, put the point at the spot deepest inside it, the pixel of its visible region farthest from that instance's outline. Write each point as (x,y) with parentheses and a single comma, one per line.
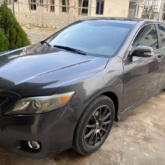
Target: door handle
(159,56)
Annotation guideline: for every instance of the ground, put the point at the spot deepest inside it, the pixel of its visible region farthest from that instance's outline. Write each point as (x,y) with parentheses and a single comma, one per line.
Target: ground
(36,34)
(138,139)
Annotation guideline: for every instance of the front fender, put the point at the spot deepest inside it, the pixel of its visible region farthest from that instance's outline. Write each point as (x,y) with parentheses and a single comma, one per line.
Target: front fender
(91,86)
(87,90)
(84,89)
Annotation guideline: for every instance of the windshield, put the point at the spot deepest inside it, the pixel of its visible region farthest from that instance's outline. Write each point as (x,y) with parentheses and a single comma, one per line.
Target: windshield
(97,37)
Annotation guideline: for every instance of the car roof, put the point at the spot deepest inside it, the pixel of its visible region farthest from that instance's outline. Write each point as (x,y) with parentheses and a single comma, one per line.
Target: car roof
(124,20)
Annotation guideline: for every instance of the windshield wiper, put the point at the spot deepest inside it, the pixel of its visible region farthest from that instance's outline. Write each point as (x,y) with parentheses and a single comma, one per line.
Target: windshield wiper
(70,49)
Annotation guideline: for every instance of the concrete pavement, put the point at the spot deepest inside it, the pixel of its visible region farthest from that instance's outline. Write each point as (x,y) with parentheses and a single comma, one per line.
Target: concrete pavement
(37,36)
(138,139)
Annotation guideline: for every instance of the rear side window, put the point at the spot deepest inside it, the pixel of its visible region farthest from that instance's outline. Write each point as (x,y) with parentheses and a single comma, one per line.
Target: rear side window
(147,36)
(162,33)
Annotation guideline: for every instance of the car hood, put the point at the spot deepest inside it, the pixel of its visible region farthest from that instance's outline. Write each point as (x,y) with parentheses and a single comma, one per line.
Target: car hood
(39,69)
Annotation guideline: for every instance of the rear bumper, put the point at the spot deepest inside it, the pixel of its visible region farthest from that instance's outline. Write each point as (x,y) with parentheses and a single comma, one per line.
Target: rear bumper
(54,130)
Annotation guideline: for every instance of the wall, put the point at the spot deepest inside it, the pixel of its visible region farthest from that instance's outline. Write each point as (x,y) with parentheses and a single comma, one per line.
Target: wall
(48,20)
(139,6)
(1,1)
(23,6)
(43,17)
(113,8)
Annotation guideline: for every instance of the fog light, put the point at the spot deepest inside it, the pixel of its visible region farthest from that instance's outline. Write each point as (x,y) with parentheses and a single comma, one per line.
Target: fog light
(34,145)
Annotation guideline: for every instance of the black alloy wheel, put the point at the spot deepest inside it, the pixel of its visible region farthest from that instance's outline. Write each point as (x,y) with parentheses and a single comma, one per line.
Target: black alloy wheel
(97,126)
(94,126)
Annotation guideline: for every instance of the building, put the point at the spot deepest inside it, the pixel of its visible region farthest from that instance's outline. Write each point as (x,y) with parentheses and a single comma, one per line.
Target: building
(136,8)
(149,9)
(59,13)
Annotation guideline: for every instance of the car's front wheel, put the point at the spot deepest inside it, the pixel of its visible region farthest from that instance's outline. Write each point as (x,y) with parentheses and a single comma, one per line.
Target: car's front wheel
(94,126)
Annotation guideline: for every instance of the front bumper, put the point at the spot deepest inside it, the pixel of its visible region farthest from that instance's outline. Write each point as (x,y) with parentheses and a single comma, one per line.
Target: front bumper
(54,130)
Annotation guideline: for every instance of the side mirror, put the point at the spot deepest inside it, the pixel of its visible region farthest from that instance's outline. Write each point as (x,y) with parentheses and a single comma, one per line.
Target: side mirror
(143,51)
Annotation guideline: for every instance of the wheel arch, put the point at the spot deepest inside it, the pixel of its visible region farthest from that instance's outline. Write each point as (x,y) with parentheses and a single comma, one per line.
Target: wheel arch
(110,95)
(114,98)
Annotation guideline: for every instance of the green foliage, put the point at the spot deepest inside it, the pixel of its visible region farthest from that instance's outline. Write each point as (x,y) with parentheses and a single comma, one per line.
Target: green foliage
(13,31)
(3,42)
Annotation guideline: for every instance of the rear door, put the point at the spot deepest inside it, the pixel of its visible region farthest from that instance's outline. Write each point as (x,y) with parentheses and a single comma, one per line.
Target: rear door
(141,75)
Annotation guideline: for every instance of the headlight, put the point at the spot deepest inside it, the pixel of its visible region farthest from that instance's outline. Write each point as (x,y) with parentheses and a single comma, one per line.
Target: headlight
(41,104)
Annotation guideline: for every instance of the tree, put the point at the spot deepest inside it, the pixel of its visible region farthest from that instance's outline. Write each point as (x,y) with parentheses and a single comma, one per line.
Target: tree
(148,12)
(4,44)
(13,31)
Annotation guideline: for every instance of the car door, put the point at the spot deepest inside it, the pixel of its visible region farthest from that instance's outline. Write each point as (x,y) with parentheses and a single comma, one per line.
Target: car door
(161,33)
(141,75)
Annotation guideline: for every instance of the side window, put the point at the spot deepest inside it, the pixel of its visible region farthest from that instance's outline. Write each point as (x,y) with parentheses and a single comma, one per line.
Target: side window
(147,37)
(162,33)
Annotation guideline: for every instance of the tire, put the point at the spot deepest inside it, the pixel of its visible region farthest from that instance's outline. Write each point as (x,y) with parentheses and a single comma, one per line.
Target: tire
(94,126)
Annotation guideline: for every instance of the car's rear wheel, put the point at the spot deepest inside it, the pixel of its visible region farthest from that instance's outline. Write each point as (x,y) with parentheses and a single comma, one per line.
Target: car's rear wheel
(94,126)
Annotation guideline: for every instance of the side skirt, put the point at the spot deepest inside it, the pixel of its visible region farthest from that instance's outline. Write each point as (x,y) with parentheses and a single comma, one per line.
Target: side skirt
(125,112)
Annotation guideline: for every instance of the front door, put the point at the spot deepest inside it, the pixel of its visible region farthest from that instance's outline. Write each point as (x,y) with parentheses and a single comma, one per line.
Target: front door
(141,75)
(161,29)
